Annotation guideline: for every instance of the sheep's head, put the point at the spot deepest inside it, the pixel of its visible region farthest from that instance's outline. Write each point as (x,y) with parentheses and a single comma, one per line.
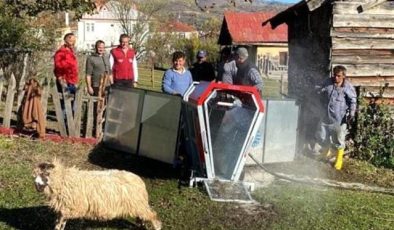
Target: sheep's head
(42,173)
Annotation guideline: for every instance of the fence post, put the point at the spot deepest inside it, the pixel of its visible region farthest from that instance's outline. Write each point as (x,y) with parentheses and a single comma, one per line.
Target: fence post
(89,122)
(22,81)
(78,111)
(58,109)
(9,101)
(152,75)
(44,97)
(1,84)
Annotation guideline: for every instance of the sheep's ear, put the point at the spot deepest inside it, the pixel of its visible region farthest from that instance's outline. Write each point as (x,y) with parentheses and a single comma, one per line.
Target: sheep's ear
(46,166)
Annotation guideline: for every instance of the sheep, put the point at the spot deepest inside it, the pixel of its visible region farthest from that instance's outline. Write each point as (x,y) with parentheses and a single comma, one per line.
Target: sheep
(95,195)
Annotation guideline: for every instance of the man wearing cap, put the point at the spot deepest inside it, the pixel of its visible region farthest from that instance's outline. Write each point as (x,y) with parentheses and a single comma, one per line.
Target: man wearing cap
(202,70)
(242,72)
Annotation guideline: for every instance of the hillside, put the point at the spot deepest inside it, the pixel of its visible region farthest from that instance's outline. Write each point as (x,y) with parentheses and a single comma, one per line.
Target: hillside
(196,12)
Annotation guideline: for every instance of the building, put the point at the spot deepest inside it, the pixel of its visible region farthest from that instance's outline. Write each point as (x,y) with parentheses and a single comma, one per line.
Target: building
(324,33)
(179,29)
(264,44)
(103,25)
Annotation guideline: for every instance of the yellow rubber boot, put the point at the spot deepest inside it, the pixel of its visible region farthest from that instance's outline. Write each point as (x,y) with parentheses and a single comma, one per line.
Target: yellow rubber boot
(339,161)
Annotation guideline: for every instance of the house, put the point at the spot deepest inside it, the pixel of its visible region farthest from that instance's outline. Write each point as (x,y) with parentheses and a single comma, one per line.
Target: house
(104,25)
(324,33)
(181,30)
(264,43)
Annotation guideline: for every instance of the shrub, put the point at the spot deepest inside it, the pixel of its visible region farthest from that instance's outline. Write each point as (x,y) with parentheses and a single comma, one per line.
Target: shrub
(374,137)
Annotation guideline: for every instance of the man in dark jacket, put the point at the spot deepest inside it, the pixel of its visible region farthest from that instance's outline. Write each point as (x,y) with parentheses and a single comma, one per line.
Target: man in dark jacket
(242,72)
(202,70)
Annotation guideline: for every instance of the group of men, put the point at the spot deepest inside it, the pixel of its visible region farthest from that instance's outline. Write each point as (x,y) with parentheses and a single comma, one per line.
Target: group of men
(338,96)
(120,65)
(233,69)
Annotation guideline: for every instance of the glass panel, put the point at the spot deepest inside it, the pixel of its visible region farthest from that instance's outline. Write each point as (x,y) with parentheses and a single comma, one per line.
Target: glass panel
(280,131)
(159,131)
(230,116)
(123,116)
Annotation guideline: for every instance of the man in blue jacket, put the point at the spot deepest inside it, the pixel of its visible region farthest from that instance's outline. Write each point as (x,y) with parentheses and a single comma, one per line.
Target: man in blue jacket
(177,79)
(339,105)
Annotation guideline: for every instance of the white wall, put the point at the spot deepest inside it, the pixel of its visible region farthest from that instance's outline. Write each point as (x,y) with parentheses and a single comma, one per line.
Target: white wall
(106,27)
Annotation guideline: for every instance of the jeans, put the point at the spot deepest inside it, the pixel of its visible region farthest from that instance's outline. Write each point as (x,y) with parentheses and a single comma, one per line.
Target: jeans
(331,135)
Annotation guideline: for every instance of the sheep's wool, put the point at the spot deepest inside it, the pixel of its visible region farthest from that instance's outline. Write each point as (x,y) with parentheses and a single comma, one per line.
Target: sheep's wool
(101,195)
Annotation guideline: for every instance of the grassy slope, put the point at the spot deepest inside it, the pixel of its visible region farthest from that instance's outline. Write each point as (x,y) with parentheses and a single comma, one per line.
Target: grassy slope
(285,206)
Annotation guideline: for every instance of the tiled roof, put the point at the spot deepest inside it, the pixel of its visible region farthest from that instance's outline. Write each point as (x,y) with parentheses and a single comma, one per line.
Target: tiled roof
(246,27)
(177,27)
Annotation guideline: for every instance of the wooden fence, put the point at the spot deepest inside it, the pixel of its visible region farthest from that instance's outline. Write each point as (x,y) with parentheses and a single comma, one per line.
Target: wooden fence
(269,66)
(81,116)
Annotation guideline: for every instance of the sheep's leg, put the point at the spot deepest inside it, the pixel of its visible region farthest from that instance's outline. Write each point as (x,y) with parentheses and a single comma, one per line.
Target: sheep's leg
(60,222)
(151,216)
(140,222)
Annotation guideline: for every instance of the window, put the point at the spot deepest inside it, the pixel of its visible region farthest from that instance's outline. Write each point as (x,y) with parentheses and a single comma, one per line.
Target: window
(89,27)
(283,58)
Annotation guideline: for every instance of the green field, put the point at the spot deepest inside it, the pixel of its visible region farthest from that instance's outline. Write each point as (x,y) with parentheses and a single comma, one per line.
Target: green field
(283,205)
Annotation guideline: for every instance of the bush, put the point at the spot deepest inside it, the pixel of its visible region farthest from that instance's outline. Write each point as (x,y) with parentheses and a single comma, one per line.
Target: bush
(374,137)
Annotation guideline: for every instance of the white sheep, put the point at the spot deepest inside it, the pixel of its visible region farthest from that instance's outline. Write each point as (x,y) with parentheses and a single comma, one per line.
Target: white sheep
(96,195)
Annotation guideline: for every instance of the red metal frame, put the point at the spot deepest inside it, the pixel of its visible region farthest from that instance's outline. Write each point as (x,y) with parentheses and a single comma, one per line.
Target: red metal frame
(224,86)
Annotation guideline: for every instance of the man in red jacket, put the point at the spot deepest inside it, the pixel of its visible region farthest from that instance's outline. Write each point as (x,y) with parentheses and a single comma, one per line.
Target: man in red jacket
(66,65)
(124,64)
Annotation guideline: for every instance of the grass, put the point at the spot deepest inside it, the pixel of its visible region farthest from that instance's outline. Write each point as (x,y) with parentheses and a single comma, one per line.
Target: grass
(271,86)
(305,207)
(283,205)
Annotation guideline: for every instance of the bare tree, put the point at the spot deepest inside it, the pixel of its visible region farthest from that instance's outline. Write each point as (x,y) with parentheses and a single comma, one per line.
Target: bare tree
(135,18)
(206,5)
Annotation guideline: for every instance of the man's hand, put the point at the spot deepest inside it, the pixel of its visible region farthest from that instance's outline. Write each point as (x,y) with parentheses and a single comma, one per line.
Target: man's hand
(135,84)
(350,120)
(90,90)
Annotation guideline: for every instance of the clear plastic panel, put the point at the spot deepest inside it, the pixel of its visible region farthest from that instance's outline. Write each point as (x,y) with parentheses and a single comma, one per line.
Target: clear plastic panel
(280,131)
(159,130)
(123,116)
(230,117)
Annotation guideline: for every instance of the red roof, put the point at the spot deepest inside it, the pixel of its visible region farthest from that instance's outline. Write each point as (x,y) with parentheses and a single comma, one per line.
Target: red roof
(246,27)
(177,27)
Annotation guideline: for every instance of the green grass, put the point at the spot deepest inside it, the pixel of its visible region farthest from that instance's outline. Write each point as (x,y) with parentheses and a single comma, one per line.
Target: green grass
(283,205)
(306,207)
(271,86)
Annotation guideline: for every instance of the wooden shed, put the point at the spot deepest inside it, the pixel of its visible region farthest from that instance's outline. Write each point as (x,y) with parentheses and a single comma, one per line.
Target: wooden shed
(358,34)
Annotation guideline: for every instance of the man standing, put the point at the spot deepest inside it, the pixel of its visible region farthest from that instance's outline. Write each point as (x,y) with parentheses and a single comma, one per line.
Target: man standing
(225,57)
(177,79)
(66,65)
(338,97)
(124,64)
(202,70)
(97,65)
(242,71)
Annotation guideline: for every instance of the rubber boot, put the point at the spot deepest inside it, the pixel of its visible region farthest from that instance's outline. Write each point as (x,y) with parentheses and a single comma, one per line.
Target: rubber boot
(339,161)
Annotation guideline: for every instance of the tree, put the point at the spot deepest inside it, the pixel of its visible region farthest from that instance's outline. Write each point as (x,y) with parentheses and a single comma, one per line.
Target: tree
(23,8)
(135,18)
(206,5)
